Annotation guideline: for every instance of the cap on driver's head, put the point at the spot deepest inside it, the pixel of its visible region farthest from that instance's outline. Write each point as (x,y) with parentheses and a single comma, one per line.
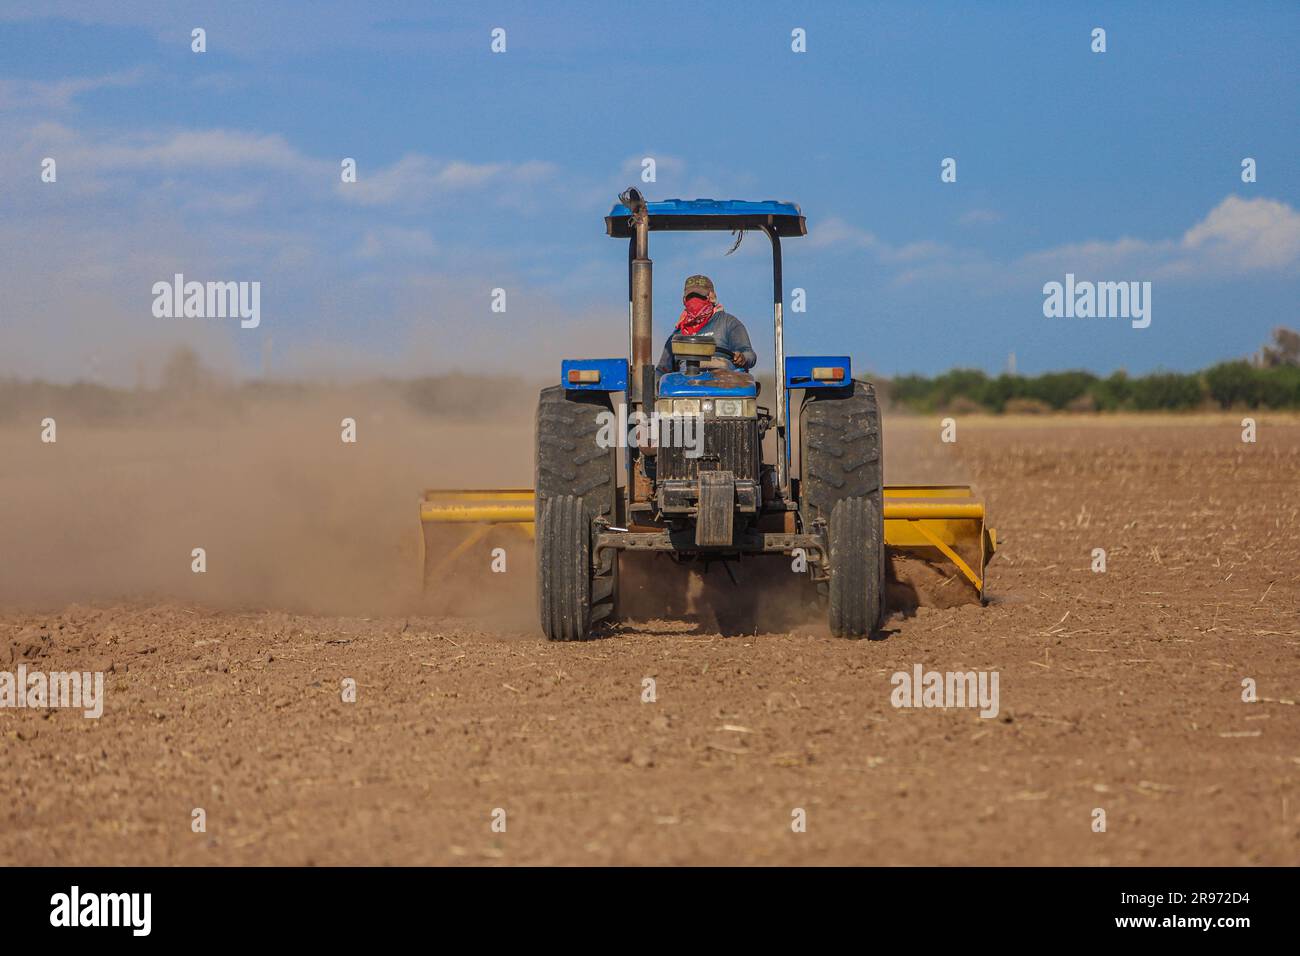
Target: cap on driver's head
(700,285)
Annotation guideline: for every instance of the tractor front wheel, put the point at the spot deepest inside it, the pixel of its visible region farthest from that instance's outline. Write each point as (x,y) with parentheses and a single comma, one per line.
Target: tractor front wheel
(857,571)
(564,568)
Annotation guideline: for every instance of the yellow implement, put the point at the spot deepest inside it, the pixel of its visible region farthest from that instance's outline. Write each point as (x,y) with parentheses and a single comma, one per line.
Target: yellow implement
(510,509)
(940,523)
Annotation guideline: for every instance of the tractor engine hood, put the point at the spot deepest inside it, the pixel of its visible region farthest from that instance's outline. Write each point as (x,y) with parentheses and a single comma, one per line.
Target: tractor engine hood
(710,383)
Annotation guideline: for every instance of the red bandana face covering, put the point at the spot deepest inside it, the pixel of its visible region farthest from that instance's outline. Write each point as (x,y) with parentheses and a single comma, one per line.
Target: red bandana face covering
(695,315)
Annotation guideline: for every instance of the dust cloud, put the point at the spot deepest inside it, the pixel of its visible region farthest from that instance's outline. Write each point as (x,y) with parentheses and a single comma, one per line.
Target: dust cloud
(289,515)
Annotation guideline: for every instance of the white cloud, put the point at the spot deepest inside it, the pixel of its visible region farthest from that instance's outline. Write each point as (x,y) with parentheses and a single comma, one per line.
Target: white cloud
(199,149)
(87,160)
(836,233)
(1238,237)
(1246,235)
(58,95)
(257,29)
(418,178)
(833,232)
(84,159)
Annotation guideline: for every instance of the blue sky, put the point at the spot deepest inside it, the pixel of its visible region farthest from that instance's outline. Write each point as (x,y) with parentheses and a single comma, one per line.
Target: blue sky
(480,170)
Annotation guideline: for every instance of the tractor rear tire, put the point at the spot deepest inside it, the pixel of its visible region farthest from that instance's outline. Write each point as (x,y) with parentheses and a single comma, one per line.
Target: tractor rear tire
(840,450)
(841,458)
(576,483)
(857,585)
(569,459)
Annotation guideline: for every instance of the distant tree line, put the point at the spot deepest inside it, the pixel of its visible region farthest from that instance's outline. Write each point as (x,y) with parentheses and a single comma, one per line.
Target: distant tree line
(1270,379)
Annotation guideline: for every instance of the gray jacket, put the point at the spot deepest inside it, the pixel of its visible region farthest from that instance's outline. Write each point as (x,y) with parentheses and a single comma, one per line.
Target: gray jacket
(728,333)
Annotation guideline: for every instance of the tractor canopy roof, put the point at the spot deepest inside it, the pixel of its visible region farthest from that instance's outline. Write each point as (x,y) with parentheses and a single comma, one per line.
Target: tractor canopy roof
(690,215)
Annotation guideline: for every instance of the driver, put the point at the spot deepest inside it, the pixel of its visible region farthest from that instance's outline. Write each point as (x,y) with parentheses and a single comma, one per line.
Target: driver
(702,315)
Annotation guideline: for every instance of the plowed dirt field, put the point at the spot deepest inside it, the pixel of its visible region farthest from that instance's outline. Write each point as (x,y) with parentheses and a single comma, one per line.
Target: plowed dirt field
(1119,691)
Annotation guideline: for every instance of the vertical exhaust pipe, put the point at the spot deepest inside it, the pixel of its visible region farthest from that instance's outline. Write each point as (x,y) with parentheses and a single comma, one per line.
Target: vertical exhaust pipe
(641,380)
(642,292)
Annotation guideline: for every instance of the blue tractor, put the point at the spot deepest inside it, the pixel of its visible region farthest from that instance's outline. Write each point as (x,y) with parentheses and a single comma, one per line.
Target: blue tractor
(695,483)
(677,467)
